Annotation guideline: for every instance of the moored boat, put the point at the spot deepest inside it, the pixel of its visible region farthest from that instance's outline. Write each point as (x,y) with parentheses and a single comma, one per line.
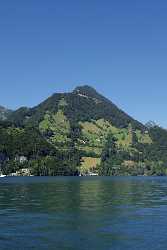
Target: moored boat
(2,175)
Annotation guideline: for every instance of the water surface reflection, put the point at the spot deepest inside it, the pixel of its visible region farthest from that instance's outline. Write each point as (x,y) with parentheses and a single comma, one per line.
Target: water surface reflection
(83,213)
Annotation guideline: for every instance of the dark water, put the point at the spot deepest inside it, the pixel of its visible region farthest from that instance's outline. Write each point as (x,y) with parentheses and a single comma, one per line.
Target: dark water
(73,213)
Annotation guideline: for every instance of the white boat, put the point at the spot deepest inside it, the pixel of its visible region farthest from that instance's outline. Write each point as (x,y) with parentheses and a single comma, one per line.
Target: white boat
(2,175)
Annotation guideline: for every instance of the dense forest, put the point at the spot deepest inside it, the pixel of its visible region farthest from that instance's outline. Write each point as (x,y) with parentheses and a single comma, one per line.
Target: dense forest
(80,132)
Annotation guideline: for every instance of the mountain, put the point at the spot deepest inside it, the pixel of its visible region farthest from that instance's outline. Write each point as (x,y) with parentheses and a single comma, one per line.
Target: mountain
(81,132)
(83,104)
(4,113)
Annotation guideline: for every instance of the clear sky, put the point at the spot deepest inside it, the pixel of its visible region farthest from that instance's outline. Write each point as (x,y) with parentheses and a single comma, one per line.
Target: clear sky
(117,46)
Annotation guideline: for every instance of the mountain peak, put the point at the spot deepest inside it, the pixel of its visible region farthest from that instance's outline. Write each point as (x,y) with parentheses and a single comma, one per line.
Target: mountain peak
(85,89)
(88,91)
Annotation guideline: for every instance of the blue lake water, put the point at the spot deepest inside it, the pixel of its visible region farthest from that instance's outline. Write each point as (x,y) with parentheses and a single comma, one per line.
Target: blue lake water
(83,213)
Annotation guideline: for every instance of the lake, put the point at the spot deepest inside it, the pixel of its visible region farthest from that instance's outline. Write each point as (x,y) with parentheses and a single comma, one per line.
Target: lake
(83,213)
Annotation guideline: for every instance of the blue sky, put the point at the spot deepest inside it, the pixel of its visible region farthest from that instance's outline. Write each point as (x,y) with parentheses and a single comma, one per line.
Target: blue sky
(117,46)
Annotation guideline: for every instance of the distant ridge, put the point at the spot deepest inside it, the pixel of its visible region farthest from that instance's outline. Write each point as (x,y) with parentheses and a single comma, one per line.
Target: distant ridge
(4,113)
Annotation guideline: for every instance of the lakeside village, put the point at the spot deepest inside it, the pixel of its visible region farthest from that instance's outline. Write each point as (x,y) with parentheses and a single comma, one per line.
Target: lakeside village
(26,171)
(21,172)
